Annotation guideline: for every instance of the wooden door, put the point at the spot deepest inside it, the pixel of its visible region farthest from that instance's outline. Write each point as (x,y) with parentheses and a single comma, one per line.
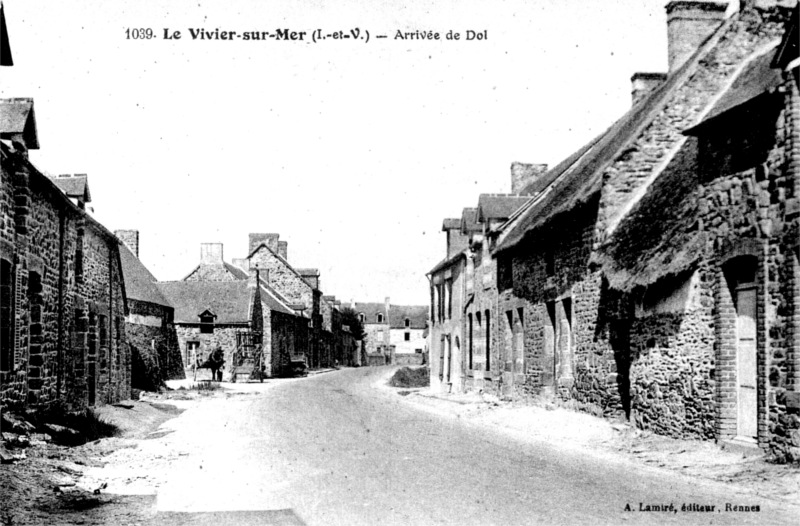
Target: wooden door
(746,367)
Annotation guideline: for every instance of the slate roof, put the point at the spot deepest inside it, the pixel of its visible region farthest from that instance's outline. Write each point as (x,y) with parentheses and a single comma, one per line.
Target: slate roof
(370,311)
(17,117)
(499,206)
(140,284)
(229,300)
(469,221)
(451,223)
(76,186)
(447,262)
(417,315)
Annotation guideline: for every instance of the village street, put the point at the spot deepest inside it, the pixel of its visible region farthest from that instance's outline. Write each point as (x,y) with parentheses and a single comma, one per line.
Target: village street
(338,448)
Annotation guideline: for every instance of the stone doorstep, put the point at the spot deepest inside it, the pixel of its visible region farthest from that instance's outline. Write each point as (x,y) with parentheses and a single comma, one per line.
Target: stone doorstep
(743,446)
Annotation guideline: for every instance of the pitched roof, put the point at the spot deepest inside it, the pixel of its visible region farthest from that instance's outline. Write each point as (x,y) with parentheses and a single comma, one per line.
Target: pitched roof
(757,78)
(499,206)
(76,186)
(236,271)
(789,48)
(281,259)
(417,316)
(469,221)
(581,181)
(447,262)
(451,223)
(17,117)
(140,284)
(229,300)
(370,311)
(659,237)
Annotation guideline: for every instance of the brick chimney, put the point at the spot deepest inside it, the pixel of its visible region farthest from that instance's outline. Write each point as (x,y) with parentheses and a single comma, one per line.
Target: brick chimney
(211,253)
(283,249)
(689,23)
(644,83)
(271,240)
(130,238)
(311,275)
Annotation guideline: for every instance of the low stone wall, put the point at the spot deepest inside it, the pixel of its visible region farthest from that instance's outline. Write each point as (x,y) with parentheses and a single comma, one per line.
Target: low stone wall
(409,359)
(375,359)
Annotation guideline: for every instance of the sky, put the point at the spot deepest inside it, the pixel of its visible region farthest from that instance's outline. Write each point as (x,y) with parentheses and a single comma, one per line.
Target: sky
(353,150)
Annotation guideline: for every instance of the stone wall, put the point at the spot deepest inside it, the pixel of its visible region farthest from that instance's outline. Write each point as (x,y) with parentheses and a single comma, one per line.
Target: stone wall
(154,340)
(290,341)
(224,336)
(64,281)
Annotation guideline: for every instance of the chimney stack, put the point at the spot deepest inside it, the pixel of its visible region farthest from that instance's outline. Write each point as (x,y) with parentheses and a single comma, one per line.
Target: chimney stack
(211,253)
(256,240)
(130,238)
(311,275)
(643,83)
(523,174)
(689,23)
(283,249)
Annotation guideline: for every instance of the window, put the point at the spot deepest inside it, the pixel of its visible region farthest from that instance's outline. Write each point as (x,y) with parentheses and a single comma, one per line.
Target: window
(407,336)
(6,315)
(408,323)
(505,276)
(549,264)
(379,317)
(449,287)
(469,342)
(488,333)
(101,321)
(192,353)
(206,323)
(361,317)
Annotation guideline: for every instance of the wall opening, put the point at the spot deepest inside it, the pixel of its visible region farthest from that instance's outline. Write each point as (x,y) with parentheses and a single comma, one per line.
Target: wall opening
(6,315)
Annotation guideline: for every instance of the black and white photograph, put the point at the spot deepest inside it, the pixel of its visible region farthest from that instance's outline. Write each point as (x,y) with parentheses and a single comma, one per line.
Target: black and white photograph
(421,262)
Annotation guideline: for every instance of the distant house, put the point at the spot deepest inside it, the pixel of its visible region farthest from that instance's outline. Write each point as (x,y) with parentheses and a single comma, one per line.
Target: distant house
(393,329)
(231,315)
(149,325)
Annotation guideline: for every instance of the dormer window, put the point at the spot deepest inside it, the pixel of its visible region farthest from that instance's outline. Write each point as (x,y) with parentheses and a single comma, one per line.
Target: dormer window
(361,317)
(207,322)
(380,318)
(408,323)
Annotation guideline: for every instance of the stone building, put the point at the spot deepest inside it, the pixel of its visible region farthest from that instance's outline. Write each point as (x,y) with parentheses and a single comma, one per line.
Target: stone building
(62,294)
(464,290)
(652,274)
(394,331)
(226,314)
(617,287)
(446,325)
(149,325)
(298,323)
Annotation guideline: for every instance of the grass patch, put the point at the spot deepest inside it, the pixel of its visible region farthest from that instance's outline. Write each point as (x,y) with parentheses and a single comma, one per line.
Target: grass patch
(205,386)
(73,428)
(408,377)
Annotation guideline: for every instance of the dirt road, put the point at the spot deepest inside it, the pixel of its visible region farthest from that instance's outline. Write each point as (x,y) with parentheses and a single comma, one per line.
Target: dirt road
(333,449)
